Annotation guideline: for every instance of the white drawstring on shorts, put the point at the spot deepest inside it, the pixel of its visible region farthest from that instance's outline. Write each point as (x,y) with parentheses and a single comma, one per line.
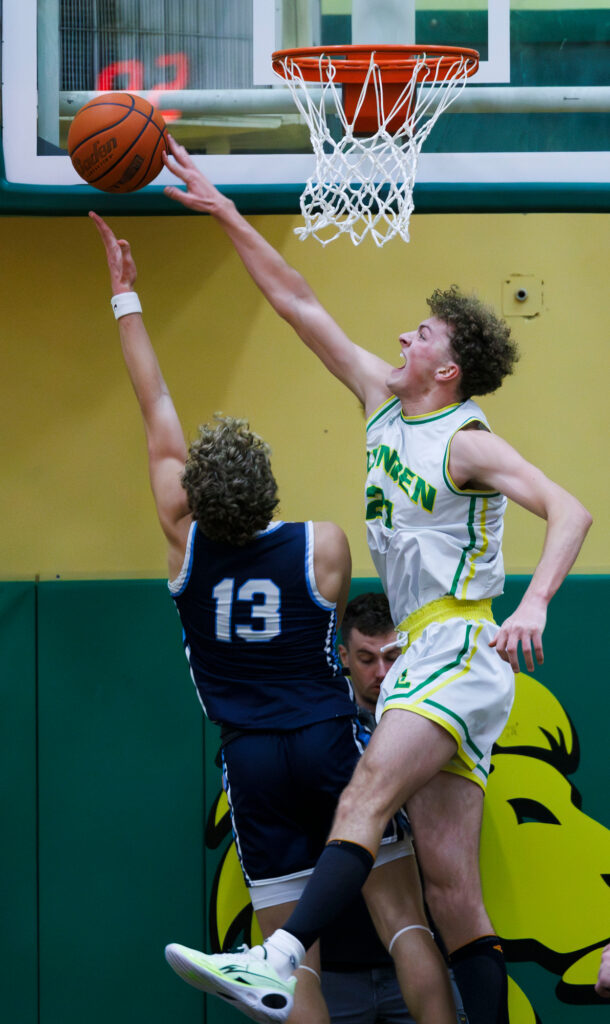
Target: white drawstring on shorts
(402,640)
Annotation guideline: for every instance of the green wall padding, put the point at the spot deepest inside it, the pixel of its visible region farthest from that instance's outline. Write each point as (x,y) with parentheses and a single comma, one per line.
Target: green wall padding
(18,869)
(121,805)
(110,777)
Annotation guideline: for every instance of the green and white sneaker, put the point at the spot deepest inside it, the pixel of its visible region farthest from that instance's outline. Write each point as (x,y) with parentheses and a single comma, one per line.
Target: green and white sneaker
(245,979)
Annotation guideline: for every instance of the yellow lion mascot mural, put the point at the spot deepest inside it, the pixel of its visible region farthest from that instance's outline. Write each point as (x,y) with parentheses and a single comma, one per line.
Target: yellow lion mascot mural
(545,864)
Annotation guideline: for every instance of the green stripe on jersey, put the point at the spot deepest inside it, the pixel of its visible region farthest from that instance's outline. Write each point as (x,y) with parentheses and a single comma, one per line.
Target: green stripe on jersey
(468,548)
(438,414)
(381,411)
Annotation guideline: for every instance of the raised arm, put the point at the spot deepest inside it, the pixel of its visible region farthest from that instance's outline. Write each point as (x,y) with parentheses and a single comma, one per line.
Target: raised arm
(164,436)
(482,460)
(285,289)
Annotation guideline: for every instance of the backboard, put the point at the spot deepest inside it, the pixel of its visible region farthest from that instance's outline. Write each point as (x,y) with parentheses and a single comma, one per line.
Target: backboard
(531,130)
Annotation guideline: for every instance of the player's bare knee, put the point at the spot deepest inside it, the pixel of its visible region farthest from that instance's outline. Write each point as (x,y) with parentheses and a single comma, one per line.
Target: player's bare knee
(361,801)
(349,804)
(367,790)
(451,899)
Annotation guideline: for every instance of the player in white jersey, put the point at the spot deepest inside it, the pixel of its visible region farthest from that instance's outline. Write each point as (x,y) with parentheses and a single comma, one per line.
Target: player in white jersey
(429,538)
(440,573)
(437,549)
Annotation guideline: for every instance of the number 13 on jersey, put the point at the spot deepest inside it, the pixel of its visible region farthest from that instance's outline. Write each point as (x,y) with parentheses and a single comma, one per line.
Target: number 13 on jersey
(264,599)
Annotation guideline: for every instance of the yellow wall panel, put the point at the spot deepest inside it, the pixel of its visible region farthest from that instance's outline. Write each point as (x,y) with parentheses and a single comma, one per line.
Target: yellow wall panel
(75,496)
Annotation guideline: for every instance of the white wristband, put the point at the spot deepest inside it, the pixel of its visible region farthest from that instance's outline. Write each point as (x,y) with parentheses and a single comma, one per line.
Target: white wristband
(124,303)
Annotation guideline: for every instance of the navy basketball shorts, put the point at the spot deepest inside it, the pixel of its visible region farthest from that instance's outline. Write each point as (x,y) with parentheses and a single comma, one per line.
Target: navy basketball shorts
(282,789)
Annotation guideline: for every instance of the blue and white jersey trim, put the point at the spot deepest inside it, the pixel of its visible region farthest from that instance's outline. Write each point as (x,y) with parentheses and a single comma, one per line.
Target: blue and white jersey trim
(177,586)
(187,651)
(275,525)
(309,571)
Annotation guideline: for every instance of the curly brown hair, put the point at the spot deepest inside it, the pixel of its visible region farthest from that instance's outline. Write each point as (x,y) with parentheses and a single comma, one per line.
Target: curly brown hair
(229,483)
(481,341)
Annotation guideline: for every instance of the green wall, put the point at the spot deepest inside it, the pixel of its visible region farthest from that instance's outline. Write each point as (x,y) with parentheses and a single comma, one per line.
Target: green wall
(18,874)
(104,860)
(109,776)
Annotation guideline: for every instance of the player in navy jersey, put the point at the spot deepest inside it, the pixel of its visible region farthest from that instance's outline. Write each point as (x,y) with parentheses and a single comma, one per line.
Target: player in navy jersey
(436,491)
(259,601)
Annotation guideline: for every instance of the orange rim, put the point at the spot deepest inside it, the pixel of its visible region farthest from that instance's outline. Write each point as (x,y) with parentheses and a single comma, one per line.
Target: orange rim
(395,63)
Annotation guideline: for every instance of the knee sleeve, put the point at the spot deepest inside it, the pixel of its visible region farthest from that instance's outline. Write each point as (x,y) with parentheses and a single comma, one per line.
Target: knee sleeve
(480,974)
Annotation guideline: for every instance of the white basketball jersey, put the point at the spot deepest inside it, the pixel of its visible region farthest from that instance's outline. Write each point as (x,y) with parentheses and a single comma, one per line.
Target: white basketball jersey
(428,539)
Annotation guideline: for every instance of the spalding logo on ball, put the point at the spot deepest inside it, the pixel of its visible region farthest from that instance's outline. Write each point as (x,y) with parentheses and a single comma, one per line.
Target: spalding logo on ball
(116,142)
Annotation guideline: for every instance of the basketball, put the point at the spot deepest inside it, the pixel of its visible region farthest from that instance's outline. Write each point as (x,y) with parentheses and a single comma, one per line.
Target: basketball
(116,142)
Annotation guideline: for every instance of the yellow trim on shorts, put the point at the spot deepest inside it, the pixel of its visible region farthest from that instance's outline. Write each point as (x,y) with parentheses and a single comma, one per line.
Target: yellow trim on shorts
(441,611)
(469,764)
(425,713)
(465,771)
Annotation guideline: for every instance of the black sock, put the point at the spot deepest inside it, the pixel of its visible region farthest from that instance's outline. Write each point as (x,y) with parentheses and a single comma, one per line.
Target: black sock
(480,974)
(338,877)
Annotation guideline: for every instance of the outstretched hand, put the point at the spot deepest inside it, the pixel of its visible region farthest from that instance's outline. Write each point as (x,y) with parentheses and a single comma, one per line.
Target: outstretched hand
(200,193)
(524,627)
(121,263)
(603,979)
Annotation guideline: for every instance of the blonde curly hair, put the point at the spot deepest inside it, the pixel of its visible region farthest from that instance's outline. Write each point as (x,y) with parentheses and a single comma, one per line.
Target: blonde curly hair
(229,483)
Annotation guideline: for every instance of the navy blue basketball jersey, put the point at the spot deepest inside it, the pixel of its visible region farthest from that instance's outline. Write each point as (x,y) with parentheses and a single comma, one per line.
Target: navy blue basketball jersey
(258,635)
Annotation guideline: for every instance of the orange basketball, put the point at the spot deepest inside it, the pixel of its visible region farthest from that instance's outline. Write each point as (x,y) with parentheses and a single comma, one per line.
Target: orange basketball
(115,142)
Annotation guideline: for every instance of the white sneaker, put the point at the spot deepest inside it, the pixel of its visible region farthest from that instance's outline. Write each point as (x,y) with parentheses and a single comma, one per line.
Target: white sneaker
(245,979)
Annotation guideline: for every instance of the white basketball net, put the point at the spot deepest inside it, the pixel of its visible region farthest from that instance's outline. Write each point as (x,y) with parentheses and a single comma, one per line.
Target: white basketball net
(364,185)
